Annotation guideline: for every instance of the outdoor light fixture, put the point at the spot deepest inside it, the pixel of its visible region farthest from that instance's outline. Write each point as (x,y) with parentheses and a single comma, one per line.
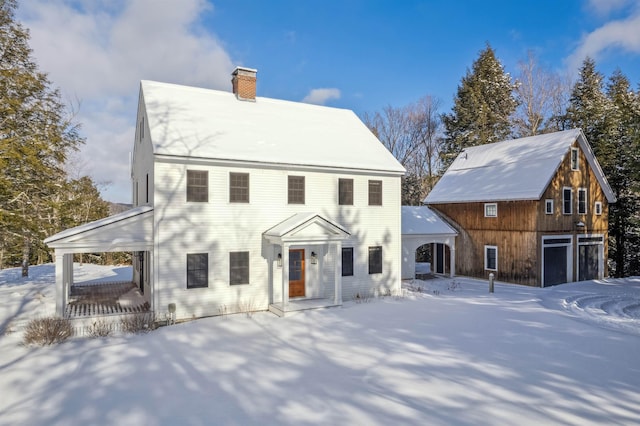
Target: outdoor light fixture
(279,260)
(314,258)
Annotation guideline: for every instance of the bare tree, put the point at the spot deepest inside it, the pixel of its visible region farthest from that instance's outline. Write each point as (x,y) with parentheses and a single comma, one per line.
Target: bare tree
(413,135)
(542,96)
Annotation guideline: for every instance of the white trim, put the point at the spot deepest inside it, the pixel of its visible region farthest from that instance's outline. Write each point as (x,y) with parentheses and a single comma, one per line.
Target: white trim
(568,246)
(599,243)
(564,212)
(583,191)
(598,208)
(486,258)
(574,166)
(487,207)
(548,202)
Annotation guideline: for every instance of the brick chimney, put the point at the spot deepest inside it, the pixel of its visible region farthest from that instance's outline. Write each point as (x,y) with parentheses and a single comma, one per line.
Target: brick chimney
(244,83)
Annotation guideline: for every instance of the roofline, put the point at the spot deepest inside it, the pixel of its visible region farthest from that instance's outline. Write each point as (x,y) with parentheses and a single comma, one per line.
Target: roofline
(70,232)
(230,161)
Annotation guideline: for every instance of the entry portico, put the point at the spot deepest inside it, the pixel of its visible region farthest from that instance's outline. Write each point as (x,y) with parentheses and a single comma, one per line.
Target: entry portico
(305,239)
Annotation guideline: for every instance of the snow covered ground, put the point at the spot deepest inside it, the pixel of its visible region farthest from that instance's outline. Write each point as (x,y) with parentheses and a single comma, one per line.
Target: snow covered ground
(447,352)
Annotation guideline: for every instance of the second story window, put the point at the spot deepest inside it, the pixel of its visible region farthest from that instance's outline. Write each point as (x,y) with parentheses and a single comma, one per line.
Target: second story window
(238,187)
(375,192)
(548,206)
(598,207)
(491,210)
(295,190)
(345,192)
(582,201)
(197,186)
(567,200)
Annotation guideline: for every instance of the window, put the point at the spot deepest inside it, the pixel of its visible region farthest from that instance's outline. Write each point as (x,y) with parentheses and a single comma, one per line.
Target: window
(375,192)
(598,207)
(345,192)
(296,189)
(491,210)
(197,270)
(567,200)
(347,261)
(238,187)
(548,206)
(491,258)
(574,159)
(239,267)
(375,260)
(197,186)
(582,201)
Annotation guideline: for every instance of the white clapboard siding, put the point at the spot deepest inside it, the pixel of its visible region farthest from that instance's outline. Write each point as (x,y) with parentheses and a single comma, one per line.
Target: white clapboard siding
(219,227)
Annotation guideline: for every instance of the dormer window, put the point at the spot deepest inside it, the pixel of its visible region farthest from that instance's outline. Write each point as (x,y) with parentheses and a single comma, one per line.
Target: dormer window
(575,165)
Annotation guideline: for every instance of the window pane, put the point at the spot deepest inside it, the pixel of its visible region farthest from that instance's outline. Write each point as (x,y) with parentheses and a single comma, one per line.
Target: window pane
(375,192)
(239,187)
(239,267)
(375,260)
(566,200)
(197,186)
(347,261)
(491,255)
(197,270)
(582,201)
(549,207)
(345,192)
(296,190)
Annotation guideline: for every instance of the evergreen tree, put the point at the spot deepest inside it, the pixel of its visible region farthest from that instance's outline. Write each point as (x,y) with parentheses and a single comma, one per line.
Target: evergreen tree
(35,138)
(610,119)
(623,134)
(482,107)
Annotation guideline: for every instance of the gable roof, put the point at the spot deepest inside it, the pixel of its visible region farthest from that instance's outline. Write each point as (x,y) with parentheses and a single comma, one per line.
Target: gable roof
(130,230)
(421,220)
(195,122)
(518,169)
(306,227)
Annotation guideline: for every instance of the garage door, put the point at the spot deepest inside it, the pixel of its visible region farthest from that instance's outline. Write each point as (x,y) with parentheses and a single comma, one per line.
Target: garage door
(555,265)
(589,261)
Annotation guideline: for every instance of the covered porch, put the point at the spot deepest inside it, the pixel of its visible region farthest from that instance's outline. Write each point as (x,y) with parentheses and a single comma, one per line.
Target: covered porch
(129,231)
(305,263)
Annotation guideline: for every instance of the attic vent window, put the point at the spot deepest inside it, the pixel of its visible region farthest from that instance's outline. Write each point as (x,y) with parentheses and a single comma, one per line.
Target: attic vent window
(598,207)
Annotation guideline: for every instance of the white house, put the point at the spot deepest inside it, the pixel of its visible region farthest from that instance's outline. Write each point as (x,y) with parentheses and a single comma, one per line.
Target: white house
(243,202)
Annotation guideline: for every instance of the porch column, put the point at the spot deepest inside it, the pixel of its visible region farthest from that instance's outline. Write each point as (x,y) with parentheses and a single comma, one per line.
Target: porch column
(285,275)
(338,274)
(452,272)
(64,276)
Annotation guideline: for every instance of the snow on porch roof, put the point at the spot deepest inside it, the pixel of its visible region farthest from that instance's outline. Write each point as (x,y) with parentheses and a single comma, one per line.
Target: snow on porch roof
(195,122)
(421,220)
(300,221)
(120,232)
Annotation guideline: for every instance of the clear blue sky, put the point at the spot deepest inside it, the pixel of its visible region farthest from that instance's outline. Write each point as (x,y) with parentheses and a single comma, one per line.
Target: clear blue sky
(365,54)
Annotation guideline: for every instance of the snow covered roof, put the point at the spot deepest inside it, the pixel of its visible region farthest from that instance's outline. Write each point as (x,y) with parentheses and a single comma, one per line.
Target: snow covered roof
(306,226)
(196,122)
(131,228)
(421,220)
(519,169)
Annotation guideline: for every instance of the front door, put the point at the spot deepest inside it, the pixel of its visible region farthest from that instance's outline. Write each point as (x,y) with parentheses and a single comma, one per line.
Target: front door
(296,273)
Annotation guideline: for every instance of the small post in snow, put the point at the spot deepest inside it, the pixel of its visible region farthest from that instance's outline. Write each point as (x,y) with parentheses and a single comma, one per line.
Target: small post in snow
(491,277)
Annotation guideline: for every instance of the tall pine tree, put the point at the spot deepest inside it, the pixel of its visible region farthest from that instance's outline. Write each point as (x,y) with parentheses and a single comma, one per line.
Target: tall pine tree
(35,138)
(610,119)
(482,108)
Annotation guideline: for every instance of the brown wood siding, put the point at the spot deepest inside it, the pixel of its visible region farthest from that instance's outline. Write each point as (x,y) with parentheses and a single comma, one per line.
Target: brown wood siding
(519,226)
